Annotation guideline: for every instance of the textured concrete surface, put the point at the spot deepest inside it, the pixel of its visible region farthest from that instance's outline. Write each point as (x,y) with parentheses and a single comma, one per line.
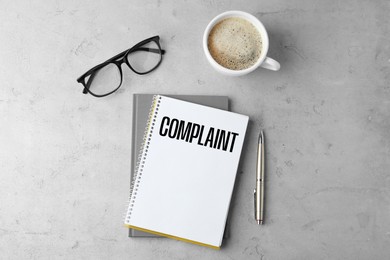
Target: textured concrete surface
(64,156)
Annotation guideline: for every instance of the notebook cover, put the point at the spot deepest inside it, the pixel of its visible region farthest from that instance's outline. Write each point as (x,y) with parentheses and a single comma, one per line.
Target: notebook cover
(187,171)
(141,106)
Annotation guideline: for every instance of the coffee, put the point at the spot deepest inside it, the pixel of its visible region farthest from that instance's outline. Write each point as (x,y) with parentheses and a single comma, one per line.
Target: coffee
(235,43)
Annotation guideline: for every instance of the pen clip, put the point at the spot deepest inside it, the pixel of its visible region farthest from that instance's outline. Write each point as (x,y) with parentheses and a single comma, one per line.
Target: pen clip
(254,194)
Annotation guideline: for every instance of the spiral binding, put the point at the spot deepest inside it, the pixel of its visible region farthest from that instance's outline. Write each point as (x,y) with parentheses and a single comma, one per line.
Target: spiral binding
(138,170)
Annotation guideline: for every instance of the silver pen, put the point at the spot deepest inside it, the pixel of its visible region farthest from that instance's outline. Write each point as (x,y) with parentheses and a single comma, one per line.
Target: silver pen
(259,190)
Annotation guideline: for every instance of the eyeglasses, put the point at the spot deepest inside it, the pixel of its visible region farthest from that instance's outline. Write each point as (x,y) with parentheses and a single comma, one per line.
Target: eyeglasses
(106,78)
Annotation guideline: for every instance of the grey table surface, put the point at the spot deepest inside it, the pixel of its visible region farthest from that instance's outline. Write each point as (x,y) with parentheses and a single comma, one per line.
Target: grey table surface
(64,156)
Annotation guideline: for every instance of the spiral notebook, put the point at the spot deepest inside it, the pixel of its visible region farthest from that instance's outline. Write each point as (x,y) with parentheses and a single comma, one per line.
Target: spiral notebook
(141,106)
(187,167)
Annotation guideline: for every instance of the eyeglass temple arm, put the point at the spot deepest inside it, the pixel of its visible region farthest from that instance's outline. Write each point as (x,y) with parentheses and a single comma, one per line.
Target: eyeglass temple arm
(148,49)
(120,55)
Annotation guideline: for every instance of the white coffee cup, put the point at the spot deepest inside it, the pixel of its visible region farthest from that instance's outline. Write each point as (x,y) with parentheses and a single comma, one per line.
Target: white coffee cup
(263,60)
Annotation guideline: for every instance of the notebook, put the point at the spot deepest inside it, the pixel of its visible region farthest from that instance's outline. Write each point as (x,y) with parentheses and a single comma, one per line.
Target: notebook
(141,106)
(187,168)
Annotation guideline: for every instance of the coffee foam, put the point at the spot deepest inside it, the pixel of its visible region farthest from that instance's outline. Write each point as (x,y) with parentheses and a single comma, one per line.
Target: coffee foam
(235,43)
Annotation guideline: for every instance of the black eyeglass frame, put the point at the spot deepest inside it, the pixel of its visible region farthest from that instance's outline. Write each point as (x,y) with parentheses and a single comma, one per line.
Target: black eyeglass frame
(118,60)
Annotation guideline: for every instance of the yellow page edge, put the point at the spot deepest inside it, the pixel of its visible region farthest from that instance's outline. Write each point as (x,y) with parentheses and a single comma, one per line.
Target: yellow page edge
(173,237)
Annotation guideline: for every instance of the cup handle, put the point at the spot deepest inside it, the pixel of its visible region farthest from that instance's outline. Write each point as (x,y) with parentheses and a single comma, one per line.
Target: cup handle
(270,64)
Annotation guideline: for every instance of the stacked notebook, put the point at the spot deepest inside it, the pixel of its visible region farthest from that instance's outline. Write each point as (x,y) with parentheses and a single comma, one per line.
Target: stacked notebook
(185,171)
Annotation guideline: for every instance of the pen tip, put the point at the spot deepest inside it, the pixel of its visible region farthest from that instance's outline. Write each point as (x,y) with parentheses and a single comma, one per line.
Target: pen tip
(259,222)
(261,137)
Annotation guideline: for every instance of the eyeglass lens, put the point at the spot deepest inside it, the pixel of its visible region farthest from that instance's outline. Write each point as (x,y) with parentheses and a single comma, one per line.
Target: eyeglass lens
(145,58)
(105,80)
